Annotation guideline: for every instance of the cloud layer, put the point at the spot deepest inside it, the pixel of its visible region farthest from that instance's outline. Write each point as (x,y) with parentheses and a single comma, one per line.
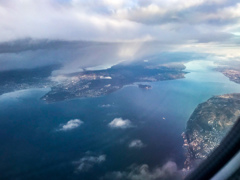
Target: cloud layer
(71,124)
(167,21)
(120,123)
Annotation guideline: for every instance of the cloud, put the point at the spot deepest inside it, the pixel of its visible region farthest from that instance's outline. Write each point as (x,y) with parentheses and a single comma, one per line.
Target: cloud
(41,32)
(105,77)
(177,11)
(136,144)
(72,124)
(88,162)
(120,123)
(168,171)
(109,20)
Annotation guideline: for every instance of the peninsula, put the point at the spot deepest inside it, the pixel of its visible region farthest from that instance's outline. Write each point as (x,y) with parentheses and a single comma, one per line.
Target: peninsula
(101,82)
(88,83)
(232,73)
(207,126)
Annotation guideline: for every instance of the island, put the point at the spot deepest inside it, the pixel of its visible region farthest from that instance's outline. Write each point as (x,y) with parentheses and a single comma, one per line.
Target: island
(207,126)
(143,86)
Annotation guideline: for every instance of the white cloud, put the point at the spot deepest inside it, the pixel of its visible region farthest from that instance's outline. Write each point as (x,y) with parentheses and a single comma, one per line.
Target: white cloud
(120,123)
(137,143)
(143,172)
(72,124)
(88,162)
(110,20)
(105,77)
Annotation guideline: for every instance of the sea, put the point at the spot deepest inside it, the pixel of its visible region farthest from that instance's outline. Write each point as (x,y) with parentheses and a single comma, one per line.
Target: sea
(33,144)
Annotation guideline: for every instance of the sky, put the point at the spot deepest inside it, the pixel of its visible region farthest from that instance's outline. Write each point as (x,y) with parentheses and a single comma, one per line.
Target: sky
(209,26)
(121,20)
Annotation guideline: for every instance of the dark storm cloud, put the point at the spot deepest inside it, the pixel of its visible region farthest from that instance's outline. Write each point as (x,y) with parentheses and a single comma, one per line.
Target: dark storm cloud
(78,55)
(74,55)
(32,45)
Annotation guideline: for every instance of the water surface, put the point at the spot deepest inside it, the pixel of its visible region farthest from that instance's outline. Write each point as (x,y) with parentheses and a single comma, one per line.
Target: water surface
(31,145)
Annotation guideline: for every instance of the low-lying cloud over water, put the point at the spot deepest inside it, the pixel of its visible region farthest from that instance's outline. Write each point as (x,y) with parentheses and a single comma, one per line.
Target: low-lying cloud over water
(87,162)
(168,171)
(120,123)
(71,124)
(137,143)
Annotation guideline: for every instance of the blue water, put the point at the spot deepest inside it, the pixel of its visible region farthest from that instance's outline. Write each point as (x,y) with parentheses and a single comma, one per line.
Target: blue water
(32,147)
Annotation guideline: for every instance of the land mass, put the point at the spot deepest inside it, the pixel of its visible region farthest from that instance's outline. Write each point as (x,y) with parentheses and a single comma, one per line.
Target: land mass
(101,82)
(87,83)
(207,126)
